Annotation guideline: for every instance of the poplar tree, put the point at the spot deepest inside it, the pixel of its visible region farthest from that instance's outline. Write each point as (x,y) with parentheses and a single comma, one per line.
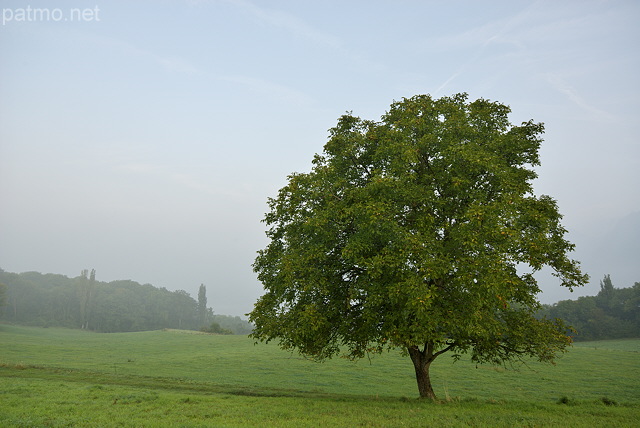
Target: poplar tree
(86,286)
(202,305)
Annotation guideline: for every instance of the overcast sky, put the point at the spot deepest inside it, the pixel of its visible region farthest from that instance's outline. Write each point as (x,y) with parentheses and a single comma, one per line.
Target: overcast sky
(142,138)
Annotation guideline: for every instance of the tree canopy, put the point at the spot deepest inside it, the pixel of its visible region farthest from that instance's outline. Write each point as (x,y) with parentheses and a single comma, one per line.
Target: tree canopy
(420,232)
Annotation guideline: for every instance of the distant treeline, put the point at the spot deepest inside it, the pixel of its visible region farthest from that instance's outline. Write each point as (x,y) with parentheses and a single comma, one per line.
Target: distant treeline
(32,298)
(612,314)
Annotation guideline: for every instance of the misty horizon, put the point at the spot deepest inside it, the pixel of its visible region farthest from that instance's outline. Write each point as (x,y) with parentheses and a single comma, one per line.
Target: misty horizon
(144,139)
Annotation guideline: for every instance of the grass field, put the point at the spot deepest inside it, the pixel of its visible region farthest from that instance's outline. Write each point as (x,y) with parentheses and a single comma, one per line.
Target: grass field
(58,377)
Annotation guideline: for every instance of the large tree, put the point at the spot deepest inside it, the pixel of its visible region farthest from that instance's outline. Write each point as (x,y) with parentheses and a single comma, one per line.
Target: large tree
(419,232)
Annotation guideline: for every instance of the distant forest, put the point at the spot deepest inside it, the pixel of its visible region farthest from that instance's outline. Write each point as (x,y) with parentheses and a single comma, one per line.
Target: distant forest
(614,313)
(32,298)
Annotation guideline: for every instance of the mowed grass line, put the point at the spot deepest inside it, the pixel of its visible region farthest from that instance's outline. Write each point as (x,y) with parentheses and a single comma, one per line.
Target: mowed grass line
(177,379)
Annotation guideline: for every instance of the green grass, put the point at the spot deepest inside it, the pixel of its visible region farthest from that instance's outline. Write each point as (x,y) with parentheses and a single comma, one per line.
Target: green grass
(58,377)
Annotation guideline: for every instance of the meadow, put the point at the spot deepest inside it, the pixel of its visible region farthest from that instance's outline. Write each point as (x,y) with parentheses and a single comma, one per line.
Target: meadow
(59,377)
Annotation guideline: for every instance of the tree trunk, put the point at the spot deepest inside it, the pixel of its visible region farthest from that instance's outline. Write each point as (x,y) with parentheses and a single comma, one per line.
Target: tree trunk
(421,362)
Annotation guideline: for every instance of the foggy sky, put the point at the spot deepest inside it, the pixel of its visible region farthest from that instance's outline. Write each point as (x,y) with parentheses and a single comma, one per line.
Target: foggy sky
(144,142)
